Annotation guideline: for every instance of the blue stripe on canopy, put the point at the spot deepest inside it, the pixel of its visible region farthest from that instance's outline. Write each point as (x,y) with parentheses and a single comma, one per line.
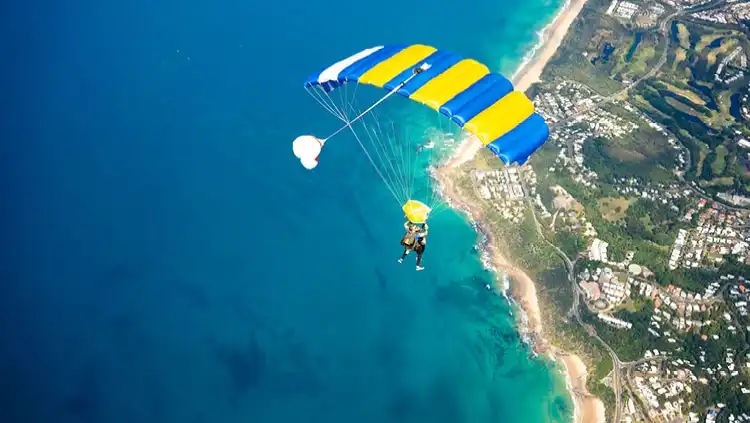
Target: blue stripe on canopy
(440,61)
(492,93)
(518,144)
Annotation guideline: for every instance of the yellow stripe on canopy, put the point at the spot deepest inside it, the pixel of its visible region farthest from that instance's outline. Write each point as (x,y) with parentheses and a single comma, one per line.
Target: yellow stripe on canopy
(448,84)
(399,62)
(502,116)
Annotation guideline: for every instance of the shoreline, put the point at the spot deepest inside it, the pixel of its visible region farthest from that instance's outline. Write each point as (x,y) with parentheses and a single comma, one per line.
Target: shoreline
(551,37)
(587,408)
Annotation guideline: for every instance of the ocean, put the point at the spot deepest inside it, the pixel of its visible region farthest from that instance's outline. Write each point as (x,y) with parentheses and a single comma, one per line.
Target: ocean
(167,259)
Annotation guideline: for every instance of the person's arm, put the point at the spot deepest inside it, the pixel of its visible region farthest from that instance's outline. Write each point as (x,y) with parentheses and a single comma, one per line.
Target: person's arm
(406,225)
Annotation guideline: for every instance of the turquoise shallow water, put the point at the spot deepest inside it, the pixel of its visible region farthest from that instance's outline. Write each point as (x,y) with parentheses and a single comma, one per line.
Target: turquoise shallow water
(167,259)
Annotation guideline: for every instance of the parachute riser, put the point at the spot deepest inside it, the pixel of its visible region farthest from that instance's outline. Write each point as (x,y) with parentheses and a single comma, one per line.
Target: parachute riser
(308,148)
(416,72)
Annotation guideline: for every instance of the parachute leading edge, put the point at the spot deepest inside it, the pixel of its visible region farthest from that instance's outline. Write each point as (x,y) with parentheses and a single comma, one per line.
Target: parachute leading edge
(481,102)
(416,211)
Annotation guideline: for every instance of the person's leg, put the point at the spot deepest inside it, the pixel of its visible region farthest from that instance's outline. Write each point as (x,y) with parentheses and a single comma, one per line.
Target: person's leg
(419,259)
(403,256)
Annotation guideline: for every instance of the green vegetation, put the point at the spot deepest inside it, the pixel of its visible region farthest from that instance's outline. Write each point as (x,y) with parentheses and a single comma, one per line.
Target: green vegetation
(703,115)
(647,252)
(685,98)
(556,299)
(693,279)
(611,161)
(733,266)
(612,208)
(569,242)
(527,249)
(655,221)
(689,102)
(587,34)
(629,344)
(485,160)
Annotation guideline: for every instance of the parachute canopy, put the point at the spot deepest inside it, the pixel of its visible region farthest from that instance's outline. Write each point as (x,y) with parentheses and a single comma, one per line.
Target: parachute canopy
(416,211)
(307,148)
(479,101)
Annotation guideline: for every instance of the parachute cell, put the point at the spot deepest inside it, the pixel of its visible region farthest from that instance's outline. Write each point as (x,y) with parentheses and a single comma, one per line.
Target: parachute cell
(482,103)
(416,211)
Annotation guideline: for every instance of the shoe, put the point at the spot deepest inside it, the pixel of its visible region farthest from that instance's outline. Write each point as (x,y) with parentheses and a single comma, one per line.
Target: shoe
(400,260)
(419,268)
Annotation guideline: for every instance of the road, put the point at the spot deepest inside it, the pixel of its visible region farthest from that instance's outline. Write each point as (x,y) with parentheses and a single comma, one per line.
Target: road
(663,28)
(575,309)
(619,94)
(701,194)
(617,364)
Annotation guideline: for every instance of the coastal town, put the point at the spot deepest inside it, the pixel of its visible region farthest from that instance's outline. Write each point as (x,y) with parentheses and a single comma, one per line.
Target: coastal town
(651,220)
(662,378)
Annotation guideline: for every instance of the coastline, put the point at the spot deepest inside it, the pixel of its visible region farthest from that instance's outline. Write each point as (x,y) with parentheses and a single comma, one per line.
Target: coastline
(588,408)
(551,37)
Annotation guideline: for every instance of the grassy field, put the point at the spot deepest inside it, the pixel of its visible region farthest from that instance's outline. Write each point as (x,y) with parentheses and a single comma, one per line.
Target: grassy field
(678,105)
(701,158)
(687,93)
(683,35)
(688,100)
(719,163)
(706,40)
(718,182)
(639,63)
(486,160)
(726,46)
(612,208)
(680,56)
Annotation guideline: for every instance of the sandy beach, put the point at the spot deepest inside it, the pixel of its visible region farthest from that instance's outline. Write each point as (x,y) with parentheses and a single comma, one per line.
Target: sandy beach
(552,36)
(591,409)
(588,408)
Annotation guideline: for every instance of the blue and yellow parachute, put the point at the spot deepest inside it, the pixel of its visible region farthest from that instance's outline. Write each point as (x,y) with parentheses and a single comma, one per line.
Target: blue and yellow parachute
(481,102)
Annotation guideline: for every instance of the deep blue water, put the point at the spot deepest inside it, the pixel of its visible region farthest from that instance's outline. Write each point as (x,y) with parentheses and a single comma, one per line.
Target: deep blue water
(166,259)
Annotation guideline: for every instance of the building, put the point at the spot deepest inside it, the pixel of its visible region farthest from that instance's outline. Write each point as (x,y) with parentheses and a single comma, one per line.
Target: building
(591,290)
(598,250)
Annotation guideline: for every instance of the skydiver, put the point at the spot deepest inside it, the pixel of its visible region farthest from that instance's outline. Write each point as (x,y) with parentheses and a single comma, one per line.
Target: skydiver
(416,240)
(407,241)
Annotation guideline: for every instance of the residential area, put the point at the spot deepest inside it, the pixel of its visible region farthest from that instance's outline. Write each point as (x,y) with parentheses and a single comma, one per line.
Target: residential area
(645,191)
(502,187)
(733,13)
(663,380)
(717,233)
(569,106)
